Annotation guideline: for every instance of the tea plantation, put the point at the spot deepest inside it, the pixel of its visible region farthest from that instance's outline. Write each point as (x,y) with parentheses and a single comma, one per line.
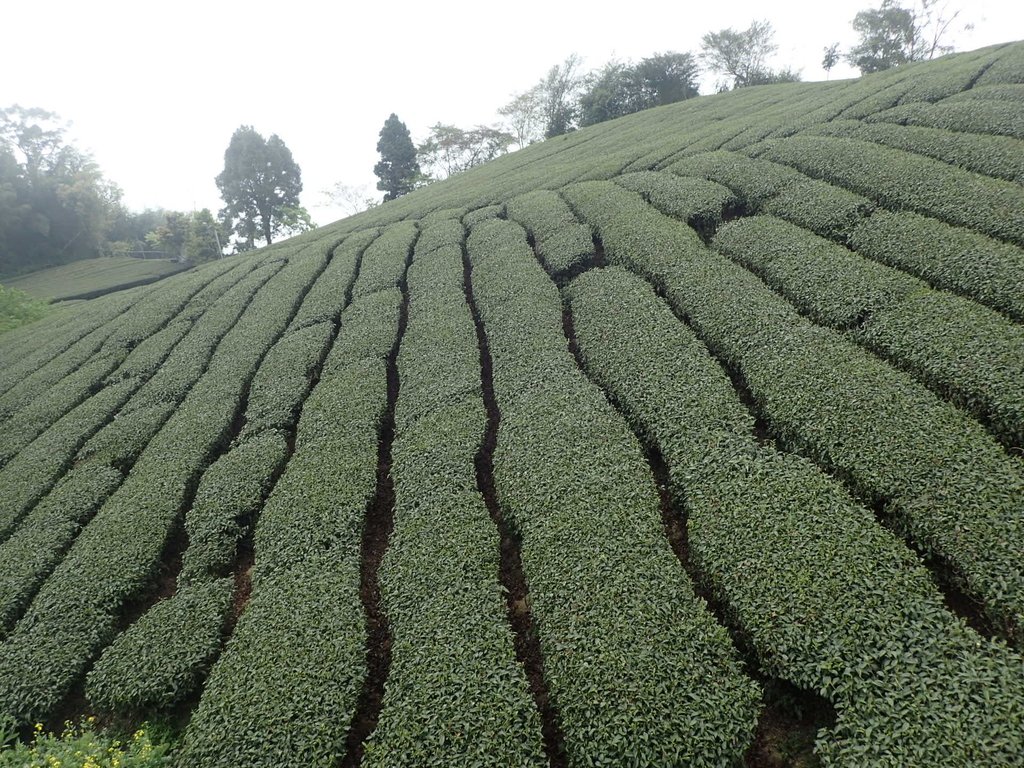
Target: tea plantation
(574,459)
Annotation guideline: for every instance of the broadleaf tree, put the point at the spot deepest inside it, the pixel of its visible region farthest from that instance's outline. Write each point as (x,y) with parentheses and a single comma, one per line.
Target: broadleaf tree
(894,34)
(450,149)
(523,116)
(743,55)
(619,89)
(560,89)
(260,185)
(55,205)
(398,170)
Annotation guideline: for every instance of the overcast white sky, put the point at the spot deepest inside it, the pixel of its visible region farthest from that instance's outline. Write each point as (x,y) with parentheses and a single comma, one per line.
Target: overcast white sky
(155,90)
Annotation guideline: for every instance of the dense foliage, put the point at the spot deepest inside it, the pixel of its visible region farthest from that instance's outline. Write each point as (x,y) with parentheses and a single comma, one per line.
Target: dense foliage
(398,170)
(260,185)
(55,205)
(574,458)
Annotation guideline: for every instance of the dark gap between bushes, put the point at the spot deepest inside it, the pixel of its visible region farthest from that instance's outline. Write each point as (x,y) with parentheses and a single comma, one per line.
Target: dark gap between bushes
(790,717)
(511,576)
(380,521)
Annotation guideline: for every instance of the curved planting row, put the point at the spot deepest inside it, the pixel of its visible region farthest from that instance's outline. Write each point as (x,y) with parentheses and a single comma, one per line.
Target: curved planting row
(899,180)
(111,322)
(30,474)
(771,188)
(563,244)
(994,92)
(700,203)
(939,474)
(77,610)
(947,257)
(41,399)
(187,628)
(999,156)
(827,598)
(984,117)
(41,539)
(917,82)
(28,348)
(637,669)
(455,693)
(965,352)
(287,684)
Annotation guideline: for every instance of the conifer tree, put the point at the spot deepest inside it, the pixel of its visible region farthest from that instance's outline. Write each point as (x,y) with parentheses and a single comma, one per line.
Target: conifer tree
(398,169)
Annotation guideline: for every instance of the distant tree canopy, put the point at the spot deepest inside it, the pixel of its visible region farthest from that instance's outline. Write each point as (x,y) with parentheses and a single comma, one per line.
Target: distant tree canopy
(893,34)
(559,90)
(523,116)
(398,170)
(743,55)
(195,237)
(449,149)
(55,205)
(260,185)
(623,88)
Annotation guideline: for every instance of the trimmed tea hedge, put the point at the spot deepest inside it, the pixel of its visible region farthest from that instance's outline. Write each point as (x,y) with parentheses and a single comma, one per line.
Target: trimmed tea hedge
(828,599)
(561,242)
(228,499)
(952,258)
(34,471)
(77,609)
(946,483)
(967,353)
(455,694)
(978,116)
(998,156)
(286,686)
(637,669)
(901,180)
(699,202)
(771,188)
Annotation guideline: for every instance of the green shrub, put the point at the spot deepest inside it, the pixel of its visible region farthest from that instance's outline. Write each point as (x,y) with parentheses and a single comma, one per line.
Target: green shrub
(563,244)
(699,202)
(949,486)
(948,257)
(967,353)
(18,308)
(638,670)
(455,694)
(998,156)
(287,683)
(900,180)
(113,560)
(163,657)
(827,599)
(977,116)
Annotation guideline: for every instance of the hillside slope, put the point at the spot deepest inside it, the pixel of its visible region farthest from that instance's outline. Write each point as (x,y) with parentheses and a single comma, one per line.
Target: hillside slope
(577,458)
(90,278)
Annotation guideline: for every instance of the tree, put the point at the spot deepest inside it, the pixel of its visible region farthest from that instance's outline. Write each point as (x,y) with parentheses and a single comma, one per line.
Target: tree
(830,59)
(523,116)
(741,55)
(195,237)
(608,93)
(666,78)
(259,184)
(892,34)
(620,89)
(887,38)
(397,170)
(559,89)
(55,205)
(449,149)
(350,198)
